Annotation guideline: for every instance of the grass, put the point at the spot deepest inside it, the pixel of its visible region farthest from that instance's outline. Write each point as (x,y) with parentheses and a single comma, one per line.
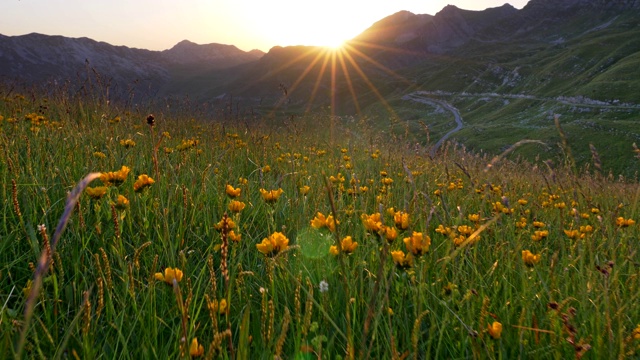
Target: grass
(436,298)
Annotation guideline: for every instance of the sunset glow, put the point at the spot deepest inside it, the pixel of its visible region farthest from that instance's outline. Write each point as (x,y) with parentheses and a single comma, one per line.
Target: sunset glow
(245,24)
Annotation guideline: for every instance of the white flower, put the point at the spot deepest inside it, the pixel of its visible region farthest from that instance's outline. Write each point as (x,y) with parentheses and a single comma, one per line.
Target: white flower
(324,286)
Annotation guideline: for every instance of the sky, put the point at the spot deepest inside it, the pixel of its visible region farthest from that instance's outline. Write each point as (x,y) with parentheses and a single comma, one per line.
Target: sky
(247,24)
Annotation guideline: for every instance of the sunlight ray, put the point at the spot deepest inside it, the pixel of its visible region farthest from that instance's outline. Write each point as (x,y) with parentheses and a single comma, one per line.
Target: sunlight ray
(347,77)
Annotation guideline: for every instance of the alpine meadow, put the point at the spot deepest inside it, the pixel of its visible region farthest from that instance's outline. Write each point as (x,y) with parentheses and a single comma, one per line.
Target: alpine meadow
(477,200)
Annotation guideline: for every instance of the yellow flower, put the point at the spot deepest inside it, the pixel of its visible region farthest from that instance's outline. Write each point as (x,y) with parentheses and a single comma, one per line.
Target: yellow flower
(97,192)
(539,235)
(115,177)
(99,154)
(622,222)
(304,190)
(401,260)
(274,244)
(474,217)
(266,169)
(529,258)
(401,219)
(572,234)
(218,307)
(195,349)
(444,230)
(523,202)
(372,222)
(234,237)
(321,221)
(388,232)
(169,275)
(127,143)
(347,244)
(230,224)
(233,193)
(522,223)
(271,195)
(122,202)
(465,230)
(587,229)
(636,333)
(143,182)
(495,330)
(418,243)
(236,206)
(538,224)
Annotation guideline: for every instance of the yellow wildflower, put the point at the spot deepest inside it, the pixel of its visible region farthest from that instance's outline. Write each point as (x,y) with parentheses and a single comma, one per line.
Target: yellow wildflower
(115,177)
(234,237)
(195,349)
(321,221)
(401,260)
(539,235)
(401,219)
(122,202)
(529,258)
(372,222)
(220,307)
(622,222)
(418,243)
(99,154)
(127,143)
(274,244)
(347,244)
(232,192)
(572,234)
(271,195)
(636,333)
(474,218)
(97,192)
(388,232)
(304,190)
(169,275)
(143,182)
(495,330)
(220,224)
(236,206)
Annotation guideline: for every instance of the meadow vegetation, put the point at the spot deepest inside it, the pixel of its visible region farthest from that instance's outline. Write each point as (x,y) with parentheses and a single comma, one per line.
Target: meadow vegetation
(304,237)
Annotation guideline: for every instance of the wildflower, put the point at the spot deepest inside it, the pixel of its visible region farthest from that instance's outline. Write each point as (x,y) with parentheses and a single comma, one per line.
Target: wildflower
(338,178)
(388,232)
(122,202)
(560,205)
(572,234)
(324,286)
(418,243)
(444,230)
(234,237)
(401,219)
(465,230)
(538,224)
(97,192)
(636,333)
(539,235)
(586,229)
(115,177)
(274,244)
(622,222)
(321,221)
(232,192)
(168,150)
(266,169)
(99,154)
(401,260)
(523,202)
(271,195)
(387,181)
(495,330)
(304,190)
(474,218)
(142,183)
(372,222)
(128,143)
(522,223)
(220,307)
(529,258)
(195,349)
(169,275)
(220,224)
(236,206)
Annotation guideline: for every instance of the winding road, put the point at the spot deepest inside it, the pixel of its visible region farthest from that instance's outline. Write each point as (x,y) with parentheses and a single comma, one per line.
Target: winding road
(422,98)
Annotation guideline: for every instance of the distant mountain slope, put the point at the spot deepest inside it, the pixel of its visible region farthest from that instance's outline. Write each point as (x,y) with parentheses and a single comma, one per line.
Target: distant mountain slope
(36,58)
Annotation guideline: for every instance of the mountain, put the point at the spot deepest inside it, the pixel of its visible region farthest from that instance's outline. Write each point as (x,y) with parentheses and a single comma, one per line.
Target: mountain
(37,58)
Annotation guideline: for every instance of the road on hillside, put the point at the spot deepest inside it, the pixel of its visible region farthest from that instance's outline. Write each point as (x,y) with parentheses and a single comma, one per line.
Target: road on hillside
(421,98)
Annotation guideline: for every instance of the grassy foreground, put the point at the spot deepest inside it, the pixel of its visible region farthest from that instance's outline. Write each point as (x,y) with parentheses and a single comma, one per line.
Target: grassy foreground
(309,238)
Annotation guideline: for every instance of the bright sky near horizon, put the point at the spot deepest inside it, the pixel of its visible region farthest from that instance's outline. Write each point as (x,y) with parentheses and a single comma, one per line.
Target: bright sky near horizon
(247,24)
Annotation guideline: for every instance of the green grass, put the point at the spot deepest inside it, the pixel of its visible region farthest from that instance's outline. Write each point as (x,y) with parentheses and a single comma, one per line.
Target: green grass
(100,298)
